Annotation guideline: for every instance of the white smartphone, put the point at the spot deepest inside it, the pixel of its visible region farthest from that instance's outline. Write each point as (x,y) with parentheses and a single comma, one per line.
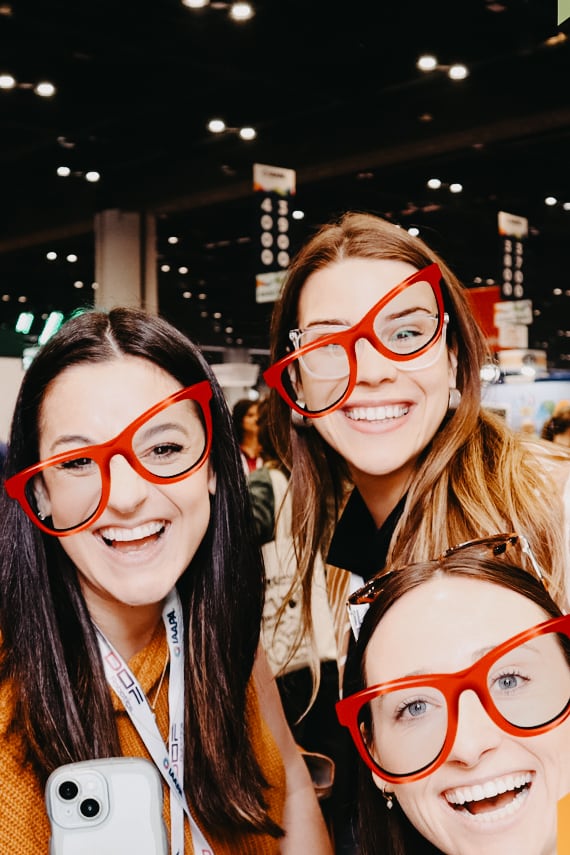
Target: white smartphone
(107,806)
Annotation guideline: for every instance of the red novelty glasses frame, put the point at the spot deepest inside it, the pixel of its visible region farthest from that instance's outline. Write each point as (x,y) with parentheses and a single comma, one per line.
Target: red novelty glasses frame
(348,338)
(18,485)
(450,687)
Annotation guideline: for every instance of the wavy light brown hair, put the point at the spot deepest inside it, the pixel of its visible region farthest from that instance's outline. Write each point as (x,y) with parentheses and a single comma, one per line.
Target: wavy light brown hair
(474,478)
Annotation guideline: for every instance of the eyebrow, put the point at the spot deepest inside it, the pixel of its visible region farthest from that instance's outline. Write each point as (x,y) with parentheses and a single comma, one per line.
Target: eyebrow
(476,656)
(408,310)
(66,439)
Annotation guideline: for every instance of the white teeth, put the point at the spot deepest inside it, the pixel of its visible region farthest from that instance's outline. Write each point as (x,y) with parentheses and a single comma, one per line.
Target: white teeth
(127,534)
(487,790)
(377,414)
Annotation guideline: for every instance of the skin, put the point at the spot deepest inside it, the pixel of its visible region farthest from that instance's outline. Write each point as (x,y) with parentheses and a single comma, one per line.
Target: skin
(381,453)
(444,626)
(124,583)
(250,430)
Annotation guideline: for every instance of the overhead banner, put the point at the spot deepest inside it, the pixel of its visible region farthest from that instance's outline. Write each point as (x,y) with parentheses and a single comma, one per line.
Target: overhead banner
(273,187)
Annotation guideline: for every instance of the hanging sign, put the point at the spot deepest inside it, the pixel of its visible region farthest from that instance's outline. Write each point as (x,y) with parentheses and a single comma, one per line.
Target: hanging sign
(273,188)
(513,229)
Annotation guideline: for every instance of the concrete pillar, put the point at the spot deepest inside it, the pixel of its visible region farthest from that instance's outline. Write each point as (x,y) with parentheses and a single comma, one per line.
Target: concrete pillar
(125,260)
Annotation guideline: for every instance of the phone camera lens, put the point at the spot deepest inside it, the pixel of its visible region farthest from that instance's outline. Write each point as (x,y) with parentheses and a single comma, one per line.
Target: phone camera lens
(89,808)
(68,790)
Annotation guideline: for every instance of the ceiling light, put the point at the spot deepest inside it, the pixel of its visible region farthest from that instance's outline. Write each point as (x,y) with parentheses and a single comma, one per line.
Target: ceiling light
(458,72)
(92,177)
(247,133)
(195,4)
(7,81)
(53,323)
(434,183)
(44,89)
(216,126)
(63,171)
(72,258)
(51,256)
(298,215)
(550,201)
(24,322)
(241,11)
(456,187)
(427,62)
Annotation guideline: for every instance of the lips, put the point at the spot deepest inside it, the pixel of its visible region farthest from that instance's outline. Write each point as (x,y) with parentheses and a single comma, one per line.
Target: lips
(119,537)
(494,798)
(377,414)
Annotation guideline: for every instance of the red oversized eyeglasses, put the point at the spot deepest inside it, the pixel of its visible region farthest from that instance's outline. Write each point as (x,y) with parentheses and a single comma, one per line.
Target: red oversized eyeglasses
(405,729)
(166,444)
(327,356)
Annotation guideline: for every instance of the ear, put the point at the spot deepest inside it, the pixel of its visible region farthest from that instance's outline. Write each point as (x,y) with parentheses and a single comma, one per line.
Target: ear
(211,480)
(452,368)
(42,498)
(379,782)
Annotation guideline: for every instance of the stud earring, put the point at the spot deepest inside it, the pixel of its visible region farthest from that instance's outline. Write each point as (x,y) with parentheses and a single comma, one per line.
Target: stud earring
(454,398)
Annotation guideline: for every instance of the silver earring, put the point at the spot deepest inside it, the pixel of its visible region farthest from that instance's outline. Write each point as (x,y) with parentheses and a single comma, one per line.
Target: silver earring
(454,398)
(298,421)
(389,799)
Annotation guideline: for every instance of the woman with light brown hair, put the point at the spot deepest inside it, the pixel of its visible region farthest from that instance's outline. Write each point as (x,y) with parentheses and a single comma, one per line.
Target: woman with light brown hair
(376,410)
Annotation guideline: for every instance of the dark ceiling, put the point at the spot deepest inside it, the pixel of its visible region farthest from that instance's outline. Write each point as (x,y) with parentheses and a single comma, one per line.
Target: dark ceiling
(333,92)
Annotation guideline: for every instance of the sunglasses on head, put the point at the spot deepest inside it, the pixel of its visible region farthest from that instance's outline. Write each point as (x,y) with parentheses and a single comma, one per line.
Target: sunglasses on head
(513,546)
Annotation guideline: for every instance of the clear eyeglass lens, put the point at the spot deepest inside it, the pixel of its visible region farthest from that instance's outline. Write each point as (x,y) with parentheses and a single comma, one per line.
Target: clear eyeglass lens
(404,730)
(406,326)
(168,445)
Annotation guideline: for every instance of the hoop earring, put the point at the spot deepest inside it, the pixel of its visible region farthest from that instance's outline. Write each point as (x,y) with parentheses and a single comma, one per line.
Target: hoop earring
(454,398)
(389,799)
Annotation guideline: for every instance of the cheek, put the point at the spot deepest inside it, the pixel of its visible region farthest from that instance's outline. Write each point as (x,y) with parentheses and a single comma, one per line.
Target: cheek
(418,801)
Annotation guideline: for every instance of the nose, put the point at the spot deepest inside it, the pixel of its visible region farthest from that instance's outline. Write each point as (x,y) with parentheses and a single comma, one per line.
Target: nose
(372,367)
(128,489)
(476,732)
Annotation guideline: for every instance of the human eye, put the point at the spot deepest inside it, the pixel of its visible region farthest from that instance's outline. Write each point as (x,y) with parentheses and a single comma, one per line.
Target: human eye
(165,451)
(509,681)
(414,708)
(77,466)
(408,333)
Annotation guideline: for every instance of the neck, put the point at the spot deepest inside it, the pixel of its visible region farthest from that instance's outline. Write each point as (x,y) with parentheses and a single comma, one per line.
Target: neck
(128,628)
(381,493)
(251,446)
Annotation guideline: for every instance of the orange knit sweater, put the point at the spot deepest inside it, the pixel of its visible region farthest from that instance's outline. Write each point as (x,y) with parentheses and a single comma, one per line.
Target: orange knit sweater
(24,827)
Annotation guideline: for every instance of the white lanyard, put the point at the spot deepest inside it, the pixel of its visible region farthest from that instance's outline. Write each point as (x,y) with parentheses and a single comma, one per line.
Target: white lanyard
(169,761)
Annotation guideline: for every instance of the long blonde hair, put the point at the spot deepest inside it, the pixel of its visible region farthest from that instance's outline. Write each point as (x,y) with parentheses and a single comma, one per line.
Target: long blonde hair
(476,477)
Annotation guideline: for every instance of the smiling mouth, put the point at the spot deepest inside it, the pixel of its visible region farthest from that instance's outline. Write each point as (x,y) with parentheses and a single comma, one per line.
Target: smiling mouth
(132,538)
(377,414)
(492,800)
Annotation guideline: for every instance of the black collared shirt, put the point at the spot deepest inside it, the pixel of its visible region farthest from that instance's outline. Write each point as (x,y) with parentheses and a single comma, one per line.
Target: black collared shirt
(357,545)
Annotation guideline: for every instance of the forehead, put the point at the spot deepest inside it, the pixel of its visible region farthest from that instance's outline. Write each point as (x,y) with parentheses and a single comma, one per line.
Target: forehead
(444,625)
(99,399)
(349,288)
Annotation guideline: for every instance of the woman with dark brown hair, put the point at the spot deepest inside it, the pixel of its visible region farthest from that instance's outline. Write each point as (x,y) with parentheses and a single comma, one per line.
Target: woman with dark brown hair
(132,593)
